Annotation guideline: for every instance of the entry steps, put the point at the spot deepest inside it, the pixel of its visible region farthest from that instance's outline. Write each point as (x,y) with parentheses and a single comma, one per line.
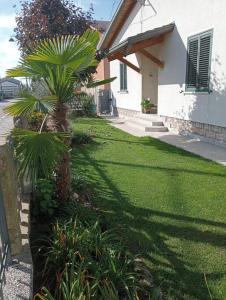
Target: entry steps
(147,123)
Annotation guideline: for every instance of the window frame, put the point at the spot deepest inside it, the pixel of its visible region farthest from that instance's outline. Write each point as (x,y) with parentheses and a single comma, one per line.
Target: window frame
(123,78)
(198,37)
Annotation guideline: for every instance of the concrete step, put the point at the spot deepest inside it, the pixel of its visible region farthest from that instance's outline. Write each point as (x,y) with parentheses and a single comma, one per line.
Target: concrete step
(156,129)
(146,122)
(149,127)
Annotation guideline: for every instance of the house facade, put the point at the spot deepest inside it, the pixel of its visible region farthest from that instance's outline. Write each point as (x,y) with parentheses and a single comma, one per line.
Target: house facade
(10,87)
(172,52)
(101,94)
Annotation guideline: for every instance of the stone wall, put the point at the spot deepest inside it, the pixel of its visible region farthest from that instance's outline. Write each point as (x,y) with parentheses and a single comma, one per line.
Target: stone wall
(212,133)
(9,187)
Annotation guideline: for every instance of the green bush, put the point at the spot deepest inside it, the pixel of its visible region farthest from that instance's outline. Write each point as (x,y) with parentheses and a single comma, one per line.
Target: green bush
(90,263)
(79,182)
(44,202)
(87,104)
(35,120)
(81,138)
(146,104)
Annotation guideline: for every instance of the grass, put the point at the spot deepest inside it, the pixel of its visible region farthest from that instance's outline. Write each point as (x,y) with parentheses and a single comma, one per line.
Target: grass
(168,204)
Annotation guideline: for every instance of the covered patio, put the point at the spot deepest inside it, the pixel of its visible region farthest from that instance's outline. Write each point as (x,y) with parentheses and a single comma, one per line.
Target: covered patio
(146,47)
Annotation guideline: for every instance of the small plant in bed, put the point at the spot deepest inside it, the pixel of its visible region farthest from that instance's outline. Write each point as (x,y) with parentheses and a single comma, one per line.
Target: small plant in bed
(81,189)
(79,182)
(85,262)
(81,138)
(44,203)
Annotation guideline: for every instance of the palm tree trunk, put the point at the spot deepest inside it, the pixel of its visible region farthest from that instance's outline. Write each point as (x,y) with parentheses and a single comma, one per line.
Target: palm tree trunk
(63,178)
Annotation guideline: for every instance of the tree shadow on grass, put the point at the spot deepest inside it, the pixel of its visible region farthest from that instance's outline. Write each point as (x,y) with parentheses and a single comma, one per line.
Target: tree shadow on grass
(150,232)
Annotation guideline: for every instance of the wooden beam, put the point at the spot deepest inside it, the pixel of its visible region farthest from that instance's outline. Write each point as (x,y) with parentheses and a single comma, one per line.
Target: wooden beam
(152,58)
(129,64)
(136,47)
(144,44)
(115,56)
(120,20)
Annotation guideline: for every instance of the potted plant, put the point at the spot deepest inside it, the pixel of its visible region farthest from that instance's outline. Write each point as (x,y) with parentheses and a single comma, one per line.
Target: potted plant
(147,106)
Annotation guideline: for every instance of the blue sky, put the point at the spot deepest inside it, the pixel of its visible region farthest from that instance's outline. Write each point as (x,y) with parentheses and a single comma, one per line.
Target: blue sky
(9,55)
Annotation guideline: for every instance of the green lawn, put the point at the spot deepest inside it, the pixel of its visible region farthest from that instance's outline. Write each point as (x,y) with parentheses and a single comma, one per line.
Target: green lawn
(169,204)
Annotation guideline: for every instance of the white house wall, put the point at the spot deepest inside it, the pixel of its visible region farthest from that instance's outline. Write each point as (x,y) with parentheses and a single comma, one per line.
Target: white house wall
(190,17)
(131,98)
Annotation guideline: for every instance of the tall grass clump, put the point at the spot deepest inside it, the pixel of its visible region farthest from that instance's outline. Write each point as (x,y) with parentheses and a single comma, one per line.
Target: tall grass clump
(84,262)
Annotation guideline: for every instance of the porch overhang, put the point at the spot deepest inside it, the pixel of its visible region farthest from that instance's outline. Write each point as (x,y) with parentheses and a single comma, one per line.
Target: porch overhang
(138,43)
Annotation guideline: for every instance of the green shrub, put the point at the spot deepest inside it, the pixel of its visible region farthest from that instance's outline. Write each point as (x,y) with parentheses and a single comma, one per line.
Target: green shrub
(93,264)
(44,202)
(79,182)
(35,120)
(87,104)
(81,138)
(146,103)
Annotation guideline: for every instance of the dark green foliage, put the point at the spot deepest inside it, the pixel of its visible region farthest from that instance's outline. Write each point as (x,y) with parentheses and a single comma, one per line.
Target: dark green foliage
(79,182)
(146,103)
(93,264)
(38,153)
(35,120)
(44,202)
(80,138)
(87,105)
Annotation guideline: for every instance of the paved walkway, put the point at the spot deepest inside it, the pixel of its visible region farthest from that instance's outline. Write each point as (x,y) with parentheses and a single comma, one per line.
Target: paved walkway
(6,122)
(193,145)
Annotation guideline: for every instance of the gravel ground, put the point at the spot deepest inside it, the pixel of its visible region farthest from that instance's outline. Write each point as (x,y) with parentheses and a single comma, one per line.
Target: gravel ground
(18,282)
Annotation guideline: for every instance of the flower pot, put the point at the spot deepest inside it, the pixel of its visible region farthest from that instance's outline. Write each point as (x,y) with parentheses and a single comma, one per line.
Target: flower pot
(146,110)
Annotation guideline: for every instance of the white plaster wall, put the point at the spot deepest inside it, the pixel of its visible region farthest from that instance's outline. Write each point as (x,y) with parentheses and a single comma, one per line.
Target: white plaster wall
(132,98)
(149,72)
(191,17)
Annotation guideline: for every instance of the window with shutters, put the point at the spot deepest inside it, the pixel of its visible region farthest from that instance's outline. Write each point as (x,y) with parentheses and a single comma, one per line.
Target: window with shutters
(123,77)
(199,62)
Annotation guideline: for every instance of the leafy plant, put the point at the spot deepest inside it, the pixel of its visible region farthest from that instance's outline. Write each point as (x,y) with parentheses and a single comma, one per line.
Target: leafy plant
(81,138)
(44,202)
(93,264)
(35,120)
(41,19)
(146,103)
(87,104)
(59,62)
(38,153)
(78,182)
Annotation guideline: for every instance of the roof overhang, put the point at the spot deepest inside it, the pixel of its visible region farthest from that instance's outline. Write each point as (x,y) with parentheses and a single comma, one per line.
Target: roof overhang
(118,20)
(140,41)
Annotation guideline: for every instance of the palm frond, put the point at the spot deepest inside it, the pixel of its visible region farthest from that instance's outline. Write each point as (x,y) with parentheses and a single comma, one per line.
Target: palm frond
(65,50)
(29,104)
(100,82)
(92,36)
(31,69)
(38,153)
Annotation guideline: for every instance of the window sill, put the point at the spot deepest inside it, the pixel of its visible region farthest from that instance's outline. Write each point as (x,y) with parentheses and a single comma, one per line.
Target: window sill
(196,93)
(123,92)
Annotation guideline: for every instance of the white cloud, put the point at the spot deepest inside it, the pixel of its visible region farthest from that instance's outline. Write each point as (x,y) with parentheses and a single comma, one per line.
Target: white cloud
(9,54)
(7,21)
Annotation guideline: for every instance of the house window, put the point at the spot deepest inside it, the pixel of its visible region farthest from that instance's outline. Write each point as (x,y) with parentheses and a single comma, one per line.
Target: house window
(123,77)
(199,62)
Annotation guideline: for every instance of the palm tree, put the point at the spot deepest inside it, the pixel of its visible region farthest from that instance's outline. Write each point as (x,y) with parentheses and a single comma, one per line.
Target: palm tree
(58,62)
